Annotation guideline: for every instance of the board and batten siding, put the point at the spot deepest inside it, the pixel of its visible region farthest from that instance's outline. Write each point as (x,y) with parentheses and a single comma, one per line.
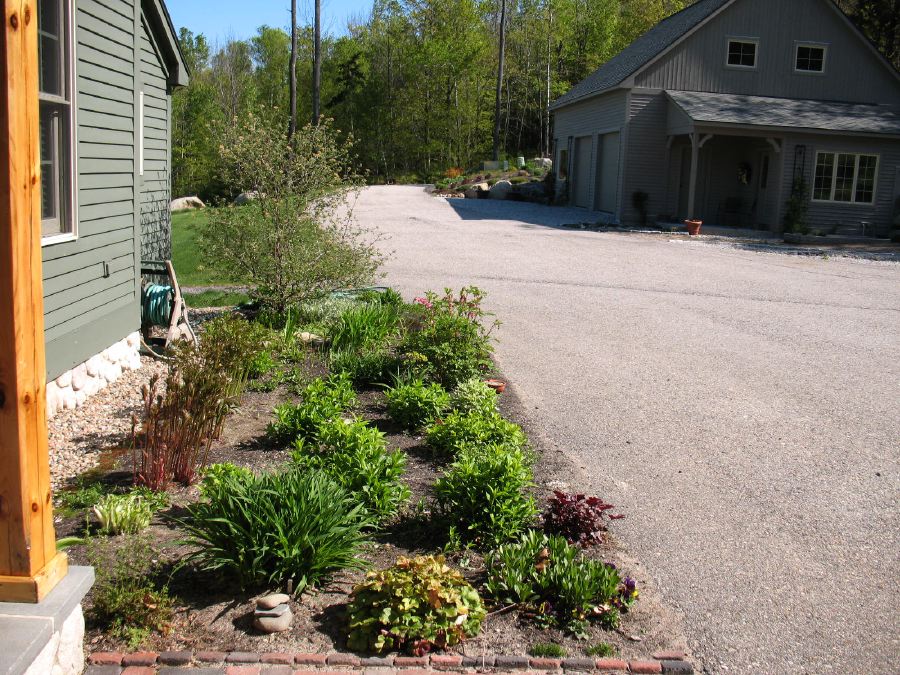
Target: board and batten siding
(90,284)
(826,214)
(156,241)
(645,165)
(853,73)
(595,116)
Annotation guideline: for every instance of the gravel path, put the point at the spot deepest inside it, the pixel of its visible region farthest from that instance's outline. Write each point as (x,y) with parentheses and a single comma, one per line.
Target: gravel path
(740,406)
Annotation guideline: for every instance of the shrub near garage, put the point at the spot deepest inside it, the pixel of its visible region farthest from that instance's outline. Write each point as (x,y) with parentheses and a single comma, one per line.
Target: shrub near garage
(414,405)
(415,606)
(482,497)
(458,430)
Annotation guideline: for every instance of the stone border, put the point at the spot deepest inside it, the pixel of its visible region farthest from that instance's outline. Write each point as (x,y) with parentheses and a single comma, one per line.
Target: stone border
(276,663)
(71,389)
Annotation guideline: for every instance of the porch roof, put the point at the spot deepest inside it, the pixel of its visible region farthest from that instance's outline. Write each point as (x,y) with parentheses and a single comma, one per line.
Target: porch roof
(798,114)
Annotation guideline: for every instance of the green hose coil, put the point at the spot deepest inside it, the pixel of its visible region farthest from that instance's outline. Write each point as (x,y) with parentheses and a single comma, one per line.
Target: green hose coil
(156,305)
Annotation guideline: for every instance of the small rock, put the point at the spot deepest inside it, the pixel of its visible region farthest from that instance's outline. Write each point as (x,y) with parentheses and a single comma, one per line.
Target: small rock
(267,623)
(64,380)
(245,198)
(272,601)
(184,203)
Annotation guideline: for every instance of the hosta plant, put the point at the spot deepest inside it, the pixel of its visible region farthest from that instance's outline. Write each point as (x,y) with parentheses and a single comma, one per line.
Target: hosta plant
(415,404)
(483,497)
(123,514)
(474,397)
(556,584)
(415,606)
(456,431)
(578,518)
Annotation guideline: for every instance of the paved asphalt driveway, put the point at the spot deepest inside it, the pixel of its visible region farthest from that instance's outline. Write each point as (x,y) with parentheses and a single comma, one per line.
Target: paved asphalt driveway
(741,407)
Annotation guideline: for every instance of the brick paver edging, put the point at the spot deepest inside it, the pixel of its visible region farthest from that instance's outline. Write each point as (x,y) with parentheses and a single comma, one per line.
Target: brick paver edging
(287,663)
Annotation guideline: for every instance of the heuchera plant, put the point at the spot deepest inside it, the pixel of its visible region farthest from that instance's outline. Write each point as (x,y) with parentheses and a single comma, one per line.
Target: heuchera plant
(578,518)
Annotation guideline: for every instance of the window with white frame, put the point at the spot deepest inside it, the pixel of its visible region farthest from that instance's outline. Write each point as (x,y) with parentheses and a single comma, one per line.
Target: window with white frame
(742,52)
(845,177)
(810,58)
(56,118)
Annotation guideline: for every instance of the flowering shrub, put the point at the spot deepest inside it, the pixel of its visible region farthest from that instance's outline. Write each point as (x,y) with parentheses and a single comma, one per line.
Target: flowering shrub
(448,342)
(555,582)
(415,606)
(580,519)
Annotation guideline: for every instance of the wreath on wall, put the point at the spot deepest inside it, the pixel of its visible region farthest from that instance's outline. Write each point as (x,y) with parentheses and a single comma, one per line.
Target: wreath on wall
(745,173)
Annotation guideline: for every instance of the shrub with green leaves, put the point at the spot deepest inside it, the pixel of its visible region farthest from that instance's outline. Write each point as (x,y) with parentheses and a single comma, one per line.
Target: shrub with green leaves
(555,581)
(126,598)
(449,343)
(474,397)
(323,401)
(354,454)
(458,430)
(482,497)
(374,365)
(123,514)
(365,325)
(266,530)
(414,606)
(214,475)
(415,404)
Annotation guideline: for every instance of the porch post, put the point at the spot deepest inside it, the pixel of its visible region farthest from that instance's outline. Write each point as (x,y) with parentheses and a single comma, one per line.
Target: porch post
(29,564)
(695,160)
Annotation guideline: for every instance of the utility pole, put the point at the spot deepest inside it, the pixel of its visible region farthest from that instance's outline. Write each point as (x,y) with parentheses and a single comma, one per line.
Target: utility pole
(500,63)
(317,62)
(292,75)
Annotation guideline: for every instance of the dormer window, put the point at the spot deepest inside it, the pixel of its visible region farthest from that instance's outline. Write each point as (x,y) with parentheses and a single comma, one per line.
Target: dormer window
(810,58)
(742,53)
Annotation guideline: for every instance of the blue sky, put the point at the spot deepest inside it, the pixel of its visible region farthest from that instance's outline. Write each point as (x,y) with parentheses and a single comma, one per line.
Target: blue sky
(220,19)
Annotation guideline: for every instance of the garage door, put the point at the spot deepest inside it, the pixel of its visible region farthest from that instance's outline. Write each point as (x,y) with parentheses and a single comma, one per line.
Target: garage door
(608,173)
(581,183)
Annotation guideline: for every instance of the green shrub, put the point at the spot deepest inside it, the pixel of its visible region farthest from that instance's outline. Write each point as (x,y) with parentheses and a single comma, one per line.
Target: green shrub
(214,475)
(548,650)
(323,401)
(414,405)
(123,514)
(448,342)
(414,606)
(601,650)
(457,431)
(266,530)
(553,580)
(365,325)
(366,367)
(482,496)
(85,492)
(354,454)
(125,598)
(474,397)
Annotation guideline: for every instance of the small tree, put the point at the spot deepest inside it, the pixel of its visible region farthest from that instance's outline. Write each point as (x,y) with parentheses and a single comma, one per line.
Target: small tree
(797,206)
(297,238)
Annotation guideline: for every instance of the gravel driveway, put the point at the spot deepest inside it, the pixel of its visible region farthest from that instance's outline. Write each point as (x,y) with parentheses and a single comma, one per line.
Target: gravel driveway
(741,407)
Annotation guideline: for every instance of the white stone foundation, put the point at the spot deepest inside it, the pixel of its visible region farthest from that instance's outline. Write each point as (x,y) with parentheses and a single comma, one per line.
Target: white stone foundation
(64,653)
(71,389)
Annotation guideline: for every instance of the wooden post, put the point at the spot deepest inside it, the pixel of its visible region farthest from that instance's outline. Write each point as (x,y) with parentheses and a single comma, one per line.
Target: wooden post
(692,186)
(29,564)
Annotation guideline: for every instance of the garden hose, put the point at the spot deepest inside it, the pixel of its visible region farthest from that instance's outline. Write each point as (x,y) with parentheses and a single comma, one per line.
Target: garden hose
(156,305)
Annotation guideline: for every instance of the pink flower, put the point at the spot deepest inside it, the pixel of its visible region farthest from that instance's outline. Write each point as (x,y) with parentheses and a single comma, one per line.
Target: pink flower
(425,302)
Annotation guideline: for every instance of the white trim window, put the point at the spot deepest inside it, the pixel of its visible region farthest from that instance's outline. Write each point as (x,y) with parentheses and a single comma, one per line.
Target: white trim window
(57,118)
(845,177)
(810,58)
(742,53)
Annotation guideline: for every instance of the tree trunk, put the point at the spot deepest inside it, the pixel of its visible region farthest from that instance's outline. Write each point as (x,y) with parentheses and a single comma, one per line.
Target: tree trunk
(317,62)
(292,75)
(549,52)
(500,63)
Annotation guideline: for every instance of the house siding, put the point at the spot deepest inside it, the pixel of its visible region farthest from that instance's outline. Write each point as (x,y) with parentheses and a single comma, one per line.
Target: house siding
(645,167)
(853,72)
(155,197)
(598,115)
(827,214)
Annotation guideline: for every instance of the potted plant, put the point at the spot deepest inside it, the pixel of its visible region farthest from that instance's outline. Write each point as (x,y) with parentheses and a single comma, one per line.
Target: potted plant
(693,226)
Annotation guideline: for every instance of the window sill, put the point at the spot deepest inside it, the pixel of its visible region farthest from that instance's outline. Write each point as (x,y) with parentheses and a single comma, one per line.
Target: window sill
(832,202)
(58,239)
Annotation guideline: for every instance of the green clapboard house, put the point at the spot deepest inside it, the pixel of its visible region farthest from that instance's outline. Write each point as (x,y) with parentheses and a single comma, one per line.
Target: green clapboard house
(107,72)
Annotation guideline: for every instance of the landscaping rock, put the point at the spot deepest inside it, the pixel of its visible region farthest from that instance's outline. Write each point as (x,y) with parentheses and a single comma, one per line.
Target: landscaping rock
(533,191)
(187,203)
(501,189)
(275,620)
(543,162)
(272,601)
(245,197)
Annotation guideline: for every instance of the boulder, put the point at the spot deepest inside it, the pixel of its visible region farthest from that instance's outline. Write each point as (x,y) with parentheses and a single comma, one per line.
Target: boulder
(187,203)
(543,162)
(245,198)
(532,191)
(275,620)
(272,601)
(501,189)
(472,192)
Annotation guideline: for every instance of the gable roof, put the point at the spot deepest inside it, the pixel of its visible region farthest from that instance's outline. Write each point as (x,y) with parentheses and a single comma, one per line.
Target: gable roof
(162,26)
(765,111)
(640,52)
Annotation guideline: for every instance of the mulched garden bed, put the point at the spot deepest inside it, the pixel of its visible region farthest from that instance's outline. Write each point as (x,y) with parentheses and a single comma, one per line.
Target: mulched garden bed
(213,614)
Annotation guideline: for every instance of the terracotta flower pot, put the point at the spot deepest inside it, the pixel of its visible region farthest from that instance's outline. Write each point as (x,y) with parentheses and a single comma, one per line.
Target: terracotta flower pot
(497,385)
(693,227)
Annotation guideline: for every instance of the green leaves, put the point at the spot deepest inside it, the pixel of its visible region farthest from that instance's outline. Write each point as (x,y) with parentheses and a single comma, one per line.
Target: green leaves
(324,400)
(414,405)
(123,514)
(415,605)
(457,431)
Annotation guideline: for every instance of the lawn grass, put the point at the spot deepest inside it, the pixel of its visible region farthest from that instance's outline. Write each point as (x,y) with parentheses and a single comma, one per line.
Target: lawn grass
(215,299)
(190,266)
